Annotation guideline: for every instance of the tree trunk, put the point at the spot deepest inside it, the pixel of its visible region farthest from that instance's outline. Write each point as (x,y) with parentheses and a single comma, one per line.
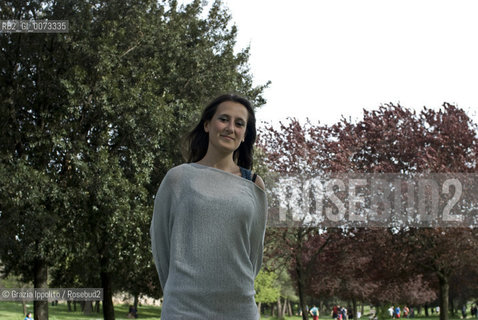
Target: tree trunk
(279,308)
(452,307)
(108,308)
(444,290)
(301,291)
(68,303)
(426,311)
(40,274)
(299,271)
(135,301)
(97,306)
(284,307)
(290,309)
(88,307)
(354,308)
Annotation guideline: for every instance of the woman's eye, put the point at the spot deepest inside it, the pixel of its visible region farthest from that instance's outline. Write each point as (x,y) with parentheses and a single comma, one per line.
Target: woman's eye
(240,124)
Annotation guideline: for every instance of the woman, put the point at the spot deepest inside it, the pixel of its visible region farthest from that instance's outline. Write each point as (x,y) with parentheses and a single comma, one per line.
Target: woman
(208,226)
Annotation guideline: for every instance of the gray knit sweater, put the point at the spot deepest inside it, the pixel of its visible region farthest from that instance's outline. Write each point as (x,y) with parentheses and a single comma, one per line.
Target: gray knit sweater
(207,236)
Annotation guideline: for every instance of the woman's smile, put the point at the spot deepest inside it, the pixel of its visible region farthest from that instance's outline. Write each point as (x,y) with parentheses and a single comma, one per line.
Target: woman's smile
(227,137)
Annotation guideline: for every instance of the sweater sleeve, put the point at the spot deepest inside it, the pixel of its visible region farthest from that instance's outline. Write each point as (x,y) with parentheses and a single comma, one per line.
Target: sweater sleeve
(160,230)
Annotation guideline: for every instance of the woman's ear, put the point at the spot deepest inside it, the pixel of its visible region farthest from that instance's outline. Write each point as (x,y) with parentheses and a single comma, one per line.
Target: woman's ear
(206,125)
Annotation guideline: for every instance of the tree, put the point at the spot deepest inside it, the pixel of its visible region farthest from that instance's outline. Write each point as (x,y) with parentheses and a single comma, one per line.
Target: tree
(343,269)
(394,139)
(91,120)
(266,287)
(295,152)
(366,265)
(32,204)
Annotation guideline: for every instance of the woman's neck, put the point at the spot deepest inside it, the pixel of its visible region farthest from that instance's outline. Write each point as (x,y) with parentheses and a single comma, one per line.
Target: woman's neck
(223,163)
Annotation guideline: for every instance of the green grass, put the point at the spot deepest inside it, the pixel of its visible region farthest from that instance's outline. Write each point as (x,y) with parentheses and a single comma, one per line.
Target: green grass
(435,317)
(14,311)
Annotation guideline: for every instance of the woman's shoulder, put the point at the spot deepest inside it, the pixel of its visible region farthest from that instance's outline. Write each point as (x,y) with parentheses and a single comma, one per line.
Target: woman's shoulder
(254,177)
(177,169)
(259,182)
(175,179)
(175,174)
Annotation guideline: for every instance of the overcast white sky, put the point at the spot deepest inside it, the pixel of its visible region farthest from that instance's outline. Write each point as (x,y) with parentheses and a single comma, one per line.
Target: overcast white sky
(331,58)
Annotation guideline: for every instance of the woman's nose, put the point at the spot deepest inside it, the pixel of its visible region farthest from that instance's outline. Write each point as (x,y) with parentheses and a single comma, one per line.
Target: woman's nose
(230,127)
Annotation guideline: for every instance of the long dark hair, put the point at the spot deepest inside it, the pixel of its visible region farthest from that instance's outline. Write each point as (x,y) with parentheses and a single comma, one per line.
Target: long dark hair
(197,141)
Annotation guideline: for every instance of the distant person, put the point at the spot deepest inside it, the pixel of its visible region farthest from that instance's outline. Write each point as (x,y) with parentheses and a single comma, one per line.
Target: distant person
(209,220)
(391,311)
(343,312)
(132,313)
(335,312)
(28,316)
(474,311)
(406,312)
(314,312)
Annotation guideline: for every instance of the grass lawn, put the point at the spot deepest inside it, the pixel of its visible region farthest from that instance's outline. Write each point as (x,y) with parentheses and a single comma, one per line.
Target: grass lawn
(329,317)
(14,311)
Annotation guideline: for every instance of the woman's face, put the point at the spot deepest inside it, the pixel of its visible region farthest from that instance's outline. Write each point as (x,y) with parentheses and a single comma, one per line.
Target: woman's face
(227,128)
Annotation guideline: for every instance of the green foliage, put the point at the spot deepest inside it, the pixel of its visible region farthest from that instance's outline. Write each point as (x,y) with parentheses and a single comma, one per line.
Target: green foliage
(91,121)
(267,287)
(287,289)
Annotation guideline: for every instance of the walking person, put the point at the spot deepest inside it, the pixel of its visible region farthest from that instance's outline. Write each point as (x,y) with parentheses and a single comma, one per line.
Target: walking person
(405,311)
(208,225)
(314,312)
(335,312)
(397,312)
(343,312)
(473,311)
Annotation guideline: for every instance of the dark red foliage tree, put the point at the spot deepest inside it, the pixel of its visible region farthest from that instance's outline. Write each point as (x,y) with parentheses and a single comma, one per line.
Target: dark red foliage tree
(295,151)
(399,264)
